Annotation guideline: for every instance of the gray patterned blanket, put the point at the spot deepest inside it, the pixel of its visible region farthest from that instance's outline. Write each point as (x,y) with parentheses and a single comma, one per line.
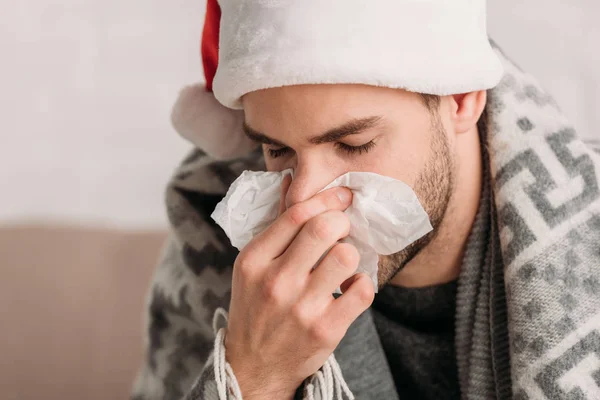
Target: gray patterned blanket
(528,323)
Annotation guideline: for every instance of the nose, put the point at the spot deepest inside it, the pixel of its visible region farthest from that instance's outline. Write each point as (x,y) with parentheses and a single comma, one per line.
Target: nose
(309,178)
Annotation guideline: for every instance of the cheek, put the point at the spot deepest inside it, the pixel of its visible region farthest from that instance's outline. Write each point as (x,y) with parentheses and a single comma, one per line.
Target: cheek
(401,158)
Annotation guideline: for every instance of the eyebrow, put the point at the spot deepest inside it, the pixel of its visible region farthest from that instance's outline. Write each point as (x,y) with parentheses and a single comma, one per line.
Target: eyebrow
(351,127)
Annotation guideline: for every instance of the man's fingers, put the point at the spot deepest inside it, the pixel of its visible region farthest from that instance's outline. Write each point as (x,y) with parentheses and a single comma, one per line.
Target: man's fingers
(335,268)
(317,236)
(273,242)
(358,294)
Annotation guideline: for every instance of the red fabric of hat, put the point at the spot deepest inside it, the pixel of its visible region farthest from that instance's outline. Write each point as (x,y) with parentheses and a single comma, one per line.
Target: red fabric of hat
(209,47)
(197,115)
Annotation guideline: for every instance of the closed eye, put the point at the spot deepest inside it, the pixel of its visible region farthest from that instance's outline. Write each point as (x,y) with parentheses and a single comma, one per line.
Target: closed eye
(274,153)
(363,148)
(343,147)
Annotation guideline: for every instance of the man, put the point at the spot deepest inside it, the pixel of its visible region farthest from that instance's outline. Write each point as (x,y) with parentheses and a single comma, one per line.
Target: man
(500,301)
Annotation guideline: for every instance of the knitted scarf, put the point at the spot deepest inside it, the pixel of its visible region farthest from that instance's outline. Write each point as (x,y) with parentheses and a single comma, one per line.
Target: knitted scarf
(527,322)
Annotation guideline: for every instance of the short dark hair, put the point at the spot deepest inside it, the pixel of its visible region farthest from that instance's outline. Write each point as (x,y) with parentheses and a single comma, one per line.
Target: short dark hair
(431,101)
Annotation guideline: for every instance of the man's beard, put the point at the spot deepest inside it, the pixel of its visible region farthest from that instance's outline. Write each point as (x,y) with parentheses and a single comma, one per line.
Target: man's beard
(434,188)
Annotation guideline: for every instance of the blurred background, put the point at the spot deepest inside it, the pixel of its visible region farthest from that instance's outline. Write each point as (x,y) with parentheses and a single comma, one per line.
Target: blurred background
(86,148)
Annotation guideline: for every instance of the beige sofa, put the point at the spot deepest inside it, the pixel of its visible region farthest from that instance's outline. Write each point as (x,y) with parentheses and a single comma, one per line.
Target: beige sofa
(71,302)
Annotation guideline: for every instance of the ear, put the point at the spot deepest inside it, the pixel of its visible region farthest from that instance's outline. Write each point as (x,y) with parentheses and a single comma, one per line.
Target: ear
(466,110)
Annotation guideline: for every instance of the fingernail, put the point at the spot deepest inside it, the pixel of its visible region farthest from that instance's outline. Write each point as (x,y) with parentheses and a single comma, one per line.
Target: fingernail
(344,195)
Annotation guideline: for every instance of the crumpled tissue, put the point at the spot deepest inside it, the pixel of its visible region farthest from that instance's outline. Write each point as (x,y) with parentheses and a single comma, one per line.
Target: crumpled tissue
(385,214)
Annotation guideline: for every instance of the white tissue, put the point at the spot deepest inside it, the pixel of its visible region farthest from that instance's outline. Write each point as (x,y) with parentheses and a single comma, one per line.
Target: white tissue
(385,214)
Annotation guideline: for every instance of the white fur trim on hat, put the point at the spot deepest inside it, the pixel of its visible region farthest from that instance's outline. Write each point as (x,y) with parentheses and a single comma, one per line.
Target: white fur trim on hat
(437,47)
(201,119)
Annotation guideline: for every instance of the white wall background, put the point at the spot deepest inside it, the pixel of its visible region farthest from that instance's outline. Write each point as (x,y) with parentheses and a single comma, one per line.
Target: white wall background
(86,88)
(558,41)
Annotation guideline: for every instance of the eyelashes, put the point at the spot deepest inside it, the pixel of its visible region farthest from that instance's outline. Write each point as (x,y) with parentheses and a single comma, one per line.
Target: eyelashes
(342,147)
(275,153)
(351,150)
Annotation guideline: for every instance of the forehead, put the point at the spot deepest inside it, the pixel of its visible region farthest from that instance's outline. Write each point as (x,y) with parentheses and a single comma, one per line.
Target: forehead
(319,106)
(299,95)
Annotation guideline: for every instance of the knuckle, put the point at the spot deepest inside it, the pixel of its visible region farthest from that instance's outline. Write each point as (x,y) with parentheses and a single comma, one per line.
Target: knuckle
(303,315)
(346,255)
(330,200)
(321,333)
(296,215)
(244,265)
(364,290)
(321,227)
(274,290)
(325,227)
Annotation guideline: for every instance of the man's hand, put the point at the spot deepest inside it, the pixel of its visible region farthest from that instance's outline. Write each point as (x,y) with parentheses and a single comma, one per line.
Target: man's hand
(283,321)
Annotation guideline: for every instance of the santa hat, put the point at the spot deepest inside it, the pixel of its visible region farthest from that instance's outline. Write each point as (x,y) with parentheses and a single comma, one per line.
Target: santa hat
(197,115)
(436,47)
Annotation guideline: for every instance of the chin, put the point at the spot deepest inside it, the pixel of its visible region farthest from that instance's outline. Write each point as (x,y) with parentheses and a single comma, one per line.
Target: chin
(392,264)
(388,267)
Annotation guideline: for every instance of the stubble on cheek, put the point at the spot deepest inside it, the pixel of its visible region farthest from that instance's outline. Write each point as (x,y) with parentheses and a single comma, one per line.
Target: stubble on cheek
(434,188)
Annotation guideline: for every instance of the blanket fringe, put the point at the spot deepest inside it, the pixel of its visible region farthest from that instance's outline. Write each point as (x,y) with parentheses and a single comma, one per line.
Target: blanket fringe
(328,383)
(224,375)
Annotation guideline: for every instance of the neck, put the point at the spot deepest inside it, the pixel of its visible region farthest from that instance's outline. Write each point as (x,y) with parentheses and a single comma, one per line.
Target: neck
(440,262)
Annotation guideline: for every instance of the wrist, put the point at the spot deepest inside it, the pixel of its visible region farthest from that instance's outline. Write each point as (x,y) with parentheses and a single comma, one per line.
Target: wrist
(256,385)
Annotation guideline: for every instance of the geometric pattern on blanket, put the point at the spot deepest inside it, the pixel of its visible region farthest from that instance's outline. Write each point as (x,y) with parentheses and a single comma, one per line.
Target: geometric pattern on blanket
(548,203)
